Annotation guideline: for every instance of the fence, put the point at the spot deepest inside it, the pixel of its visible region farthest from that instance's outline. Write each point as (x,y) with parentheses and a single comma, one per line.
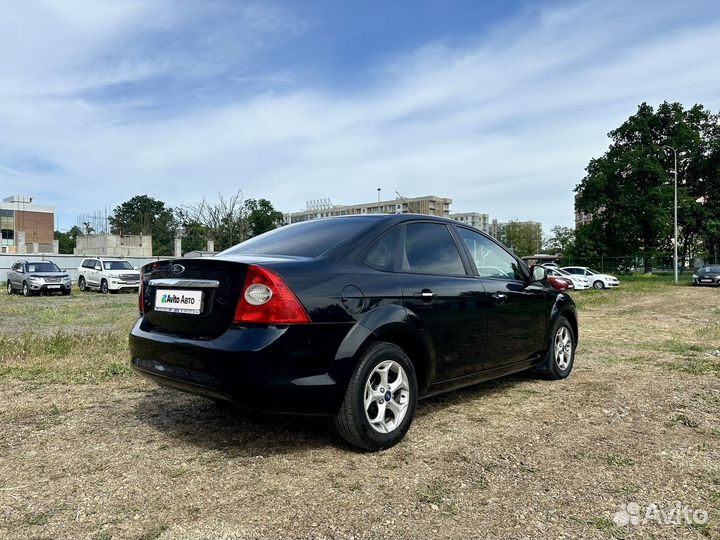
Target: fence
(659,262)
(66,263)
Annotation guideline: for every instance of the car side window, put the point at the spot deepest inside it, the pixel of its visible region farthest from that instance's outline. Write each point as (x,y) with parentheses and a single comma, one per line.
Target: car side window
(381,253)
(490,259)
(429,248)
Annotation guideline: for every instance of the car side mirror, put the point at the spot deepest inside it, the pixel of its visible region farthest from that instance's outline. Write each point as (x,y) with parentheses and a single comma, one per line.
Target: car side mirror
(538,273)
(135,268)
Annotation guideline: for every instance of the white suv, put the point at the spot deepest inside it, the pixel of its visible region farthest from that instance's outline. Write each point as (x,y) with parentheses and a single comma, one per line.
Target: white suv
(107,275)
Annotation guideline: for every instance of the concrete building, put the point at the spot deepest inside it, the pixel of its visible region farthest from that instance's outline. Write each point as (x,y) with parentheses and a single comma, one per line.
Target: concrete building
(26,227)
(580,217)
(429,205)
(113,245)
(474,219)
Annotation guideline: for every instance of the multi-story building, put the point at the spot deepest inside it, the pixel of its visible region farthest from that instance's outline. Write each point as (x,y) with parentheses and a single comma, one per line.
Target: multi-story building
(474,219)
(429,205)
(26,227)
(581,218)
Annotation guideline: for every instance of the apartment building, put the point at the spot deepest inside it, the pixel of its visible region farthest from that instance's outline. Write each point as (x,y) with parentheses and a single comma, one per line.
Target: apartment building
(26,227)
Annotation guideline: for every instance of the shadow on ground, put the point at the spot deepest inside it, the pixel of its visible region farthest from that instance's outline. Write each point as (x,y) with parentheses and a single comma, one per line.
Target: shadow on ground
(201,422)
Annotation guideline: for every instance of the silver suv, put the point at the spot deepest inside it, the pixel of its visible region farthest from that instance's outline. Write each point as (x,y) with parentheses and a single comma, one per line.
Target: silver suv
(37,277)
(107,275)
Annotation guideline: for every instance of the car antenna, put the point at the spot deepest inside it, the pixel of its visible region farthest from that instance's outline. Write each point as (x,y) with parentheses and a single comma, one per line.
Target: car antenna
(403,200)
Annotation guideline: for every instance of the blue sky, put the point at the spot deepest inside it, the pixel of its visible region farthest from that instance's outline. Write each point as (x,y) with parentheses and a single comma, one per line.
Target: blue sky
(497,105)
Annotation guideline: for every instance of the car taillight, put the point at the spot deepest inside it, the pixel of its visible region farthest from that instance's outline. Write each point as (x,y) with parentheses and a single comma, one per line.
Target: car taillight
(266,299)
(141,300)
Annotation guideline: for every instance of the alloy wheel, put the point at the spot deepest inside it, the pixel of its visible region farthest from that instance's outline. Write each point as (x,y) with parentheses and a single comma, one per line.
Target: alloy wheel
(81,283)
(563,348)
(104,287)
(387,395)
(26,290)
(598,285)
(9,287)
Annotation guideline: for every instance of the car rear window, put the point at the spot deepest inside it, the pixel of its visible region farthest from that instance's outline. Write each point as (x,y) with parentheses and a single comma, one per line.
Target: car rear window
(308,239)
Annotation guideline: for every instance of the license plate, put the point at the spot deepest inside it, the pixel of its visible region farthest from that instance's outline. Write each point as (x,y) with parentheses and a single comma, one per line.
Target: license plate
(706,280)
(53,286)
(174,301)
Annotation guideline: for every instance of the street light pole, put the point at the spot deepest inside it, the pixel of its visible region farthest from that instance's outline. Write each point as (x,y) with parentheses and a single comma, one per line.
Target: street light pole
(676,209)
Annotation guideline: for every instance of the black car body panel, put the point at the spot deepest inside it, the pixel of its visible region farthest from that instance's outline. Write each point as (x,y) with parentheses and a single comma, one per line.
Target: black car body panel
(457,329)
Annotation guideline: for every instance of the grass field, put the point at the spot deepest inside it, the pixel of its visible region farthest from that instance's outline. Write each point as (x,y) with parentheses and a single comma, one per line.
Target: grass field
(90,450)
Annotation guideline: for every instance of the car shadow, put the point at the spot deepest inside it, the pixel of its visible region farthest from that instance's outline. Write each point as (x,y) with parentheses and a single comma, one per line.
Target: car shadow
(201,422)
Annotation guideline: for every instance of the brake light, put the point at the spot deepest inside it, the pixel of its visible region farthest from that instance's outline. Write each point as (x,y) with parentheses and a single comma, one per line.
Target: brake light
(141,300)
(266,299)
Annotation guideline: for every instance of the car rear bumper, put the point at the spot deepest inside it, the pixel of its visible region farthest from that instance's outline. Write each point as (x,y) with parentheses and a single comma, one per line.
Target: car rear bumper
(290,369)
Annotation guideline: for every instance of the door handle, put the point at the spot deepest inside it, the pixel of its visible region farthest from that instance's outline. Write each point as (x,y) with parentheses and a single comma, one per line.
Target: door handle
(426,295)
(500,298)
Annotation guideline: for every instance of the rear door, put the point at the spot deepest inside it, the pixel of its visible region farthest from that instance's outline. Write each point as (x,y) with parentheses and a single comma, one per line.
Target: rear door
(517,309)
(443,298)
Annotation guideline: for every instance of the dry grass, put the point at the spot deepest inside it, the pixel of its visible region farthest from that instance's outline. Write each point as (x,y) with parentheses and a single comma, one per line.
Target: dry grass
(89,451)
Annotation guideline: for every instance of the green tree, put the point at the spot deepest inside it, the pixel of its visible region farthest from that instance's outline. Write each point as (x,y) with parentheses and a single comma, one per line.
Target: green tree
(524,237)
(630,190)
(561,240)
(67,240)
(145,215)
(261,216)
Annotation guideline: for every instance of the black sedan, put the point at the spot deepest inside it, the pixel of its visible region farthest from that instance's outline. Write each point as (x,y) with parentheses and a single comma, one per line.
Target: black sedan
(353,317)
(707,275)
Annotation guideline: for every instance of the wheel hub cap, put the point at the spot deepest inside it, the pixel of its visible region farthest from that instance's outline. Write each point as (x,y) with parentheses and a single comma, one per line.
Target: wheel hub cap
(387,395)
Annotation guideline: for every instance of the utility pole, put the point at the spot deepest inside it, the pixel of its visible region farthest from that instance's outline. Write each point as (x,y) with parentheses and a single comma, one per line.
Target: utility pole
(379,195)
(676,212)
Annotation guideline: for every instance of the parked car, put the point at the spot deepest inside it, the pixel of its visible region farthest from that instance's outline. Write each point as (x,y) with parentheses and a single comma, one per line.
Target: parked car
(107,275)
(579,282)
(37,277)
(351,317)
(597,279)
(559,283)
(707,275)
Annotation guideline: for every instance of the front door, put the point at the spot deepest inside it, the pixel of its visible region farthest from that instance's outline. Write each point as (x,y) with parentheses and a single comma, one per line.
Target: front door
(517,313)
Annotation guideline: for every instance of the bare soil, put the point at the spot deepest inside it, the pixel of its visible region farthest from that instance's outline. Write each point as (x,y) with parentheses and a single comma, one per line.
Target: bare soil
(89,450)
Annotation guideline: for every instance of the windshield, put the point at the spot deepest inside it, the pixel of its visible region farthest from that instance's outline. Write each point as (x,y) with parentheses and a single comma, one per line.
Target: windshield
(45,266)
(117,265)
(307,239)
(710,270)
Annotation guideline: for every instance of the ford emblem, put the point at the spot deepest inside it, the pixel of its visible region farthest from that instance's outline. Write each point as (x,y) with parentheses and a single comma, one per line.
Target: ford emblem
(177,268)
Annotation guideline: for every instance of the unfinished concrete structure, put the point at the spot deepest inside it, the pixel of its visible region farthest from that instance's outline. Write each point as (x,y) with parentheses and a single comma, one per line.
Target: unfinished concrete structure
(114,245)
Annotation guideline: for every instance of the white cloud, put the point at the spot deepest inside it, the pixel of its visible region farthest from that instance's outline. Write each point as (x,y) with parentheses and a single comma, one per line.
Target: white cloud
(503,125)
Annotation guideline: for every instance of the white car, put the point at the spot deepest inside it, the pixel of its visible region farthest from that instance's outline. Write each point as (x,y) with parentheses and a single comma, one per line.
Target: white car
(579,282)
(597,279)
(107,274)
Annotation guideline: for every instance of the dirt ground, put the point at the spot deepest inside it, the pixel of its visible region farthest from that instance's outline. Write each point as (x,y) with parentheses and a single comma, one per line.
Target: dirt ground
(89,450)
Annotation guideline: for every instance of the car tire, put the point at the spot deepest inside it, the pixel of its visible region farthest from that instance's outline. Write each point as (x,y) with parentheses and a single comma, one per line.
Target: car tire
(560,356)
(598,285)
(374,415)
(104,286)
(9,287)
(81,284)
(26,290)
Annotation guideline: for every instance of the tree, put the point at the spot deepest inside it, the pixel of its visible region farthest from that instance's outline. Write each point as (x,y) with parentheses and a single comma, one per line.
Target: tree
(223,222)
(630,190)
(524,237)
(67,240)
(145,215)
(261,216)
(561,241)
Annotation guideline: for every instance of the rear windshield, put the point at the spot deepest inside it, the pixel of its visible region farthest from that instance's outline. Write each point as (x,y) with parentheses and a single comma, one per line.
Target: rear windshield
(710,270)
(42,267)
(117,265)
(307,239)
